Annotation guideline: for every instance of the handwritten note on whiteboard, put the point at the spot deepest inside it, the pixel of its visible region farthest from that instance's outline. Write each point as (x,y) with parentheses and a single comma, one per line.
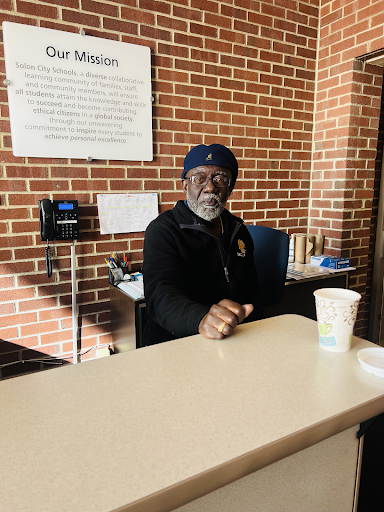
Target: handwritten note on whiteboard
(126,213)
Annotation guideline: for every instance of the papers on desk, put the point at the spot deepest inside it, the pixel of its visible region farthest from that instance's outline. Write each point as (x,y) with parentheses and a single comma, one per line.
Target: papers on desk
(303,271)
(134,289)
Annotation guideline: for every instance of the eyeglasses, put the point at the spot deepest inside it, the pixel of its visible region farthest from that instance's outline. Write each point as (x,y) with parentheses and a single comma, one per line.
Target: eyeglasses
(200,180)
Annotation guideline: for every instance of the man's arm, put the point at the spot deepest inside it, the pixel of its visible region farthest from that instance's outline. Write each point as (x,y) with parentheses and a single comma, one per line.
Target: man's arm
(167,302)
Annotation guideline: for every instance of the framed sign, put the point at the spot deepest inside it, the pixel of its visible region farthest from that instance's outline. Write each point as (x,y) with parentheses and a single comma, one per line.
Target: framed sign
(77,96)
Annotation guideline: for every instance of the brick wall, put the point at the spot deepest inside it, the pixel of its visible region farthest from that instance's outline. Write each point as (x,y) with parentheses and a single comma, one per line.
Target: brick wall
(241,73)
(348,104)
(237,72)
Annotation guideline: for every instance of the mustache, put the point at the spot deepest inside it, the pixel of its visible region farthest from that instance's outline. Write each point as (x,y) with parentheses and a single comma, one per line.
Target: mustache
(211,195)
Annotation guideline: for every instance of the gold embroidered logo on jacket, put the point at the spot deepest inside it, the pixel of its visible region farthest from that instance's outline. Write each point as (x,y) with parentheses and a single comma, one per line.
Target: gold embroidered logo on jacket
(242,250)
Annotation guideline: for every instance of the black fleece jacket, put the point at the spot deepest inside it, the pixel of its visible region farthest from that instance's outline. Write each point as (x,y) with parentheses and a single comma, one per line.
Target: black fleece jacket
(187,270)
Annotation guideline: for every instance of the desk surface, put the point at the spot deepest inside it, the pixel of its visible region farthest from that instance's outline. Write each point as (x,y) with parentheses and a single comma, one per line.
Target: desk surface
(154,428)
(316,277)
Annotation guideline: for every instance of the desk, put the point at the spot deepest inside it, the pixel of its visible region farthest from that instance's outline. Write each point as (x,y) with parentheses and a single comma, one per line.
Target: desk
(153,429)
(298,296)
(128,315)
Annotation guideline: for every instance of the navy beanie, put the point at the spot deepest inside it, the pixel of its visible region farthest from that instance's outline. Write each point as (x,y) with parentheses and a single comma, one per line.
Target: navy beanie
(215,154)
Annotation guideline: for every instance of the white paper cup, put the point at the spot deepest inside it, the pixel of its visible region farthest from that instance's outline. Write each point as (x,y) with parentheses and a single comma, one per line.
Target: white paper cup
(336,310)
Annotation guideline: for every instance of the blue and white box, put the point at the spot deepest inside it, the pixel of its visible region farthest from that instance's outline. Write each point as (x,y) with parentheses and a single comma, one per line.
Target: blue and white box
(330,262)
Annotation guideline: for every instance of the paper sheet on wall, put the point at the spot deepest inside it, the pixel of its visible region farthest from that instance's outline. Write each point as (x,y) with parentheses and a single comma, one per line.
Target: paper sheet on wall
(126,213)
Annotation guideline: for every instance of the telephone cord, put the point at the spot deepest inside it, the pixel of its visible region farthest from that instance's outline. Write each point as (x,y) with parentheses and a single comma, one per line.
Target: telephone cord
(48,260)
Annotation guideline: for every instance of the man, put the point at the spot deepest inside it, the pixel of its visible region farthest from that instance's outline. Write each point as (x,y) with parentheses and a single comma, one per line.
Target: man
(199,274)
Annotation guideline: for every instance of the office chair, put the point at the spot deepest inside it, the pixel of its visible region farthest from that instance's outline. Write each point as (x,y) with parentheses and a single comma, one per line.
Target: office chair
(271,248)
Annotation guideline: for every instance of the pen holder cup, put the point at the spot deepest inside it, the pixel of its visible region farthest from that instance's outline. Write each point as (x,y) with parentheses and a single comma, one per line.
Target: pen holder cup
(116,275)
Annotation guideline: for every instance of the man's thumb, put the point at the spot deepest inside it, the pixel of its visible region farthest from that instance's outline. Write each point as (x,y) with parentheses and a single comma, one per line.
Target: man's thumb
(248,308)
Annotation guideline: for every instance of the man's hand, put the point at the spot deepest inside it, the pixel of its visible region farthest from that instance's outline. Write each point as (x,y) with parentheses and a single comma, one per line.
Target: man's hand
(222,318)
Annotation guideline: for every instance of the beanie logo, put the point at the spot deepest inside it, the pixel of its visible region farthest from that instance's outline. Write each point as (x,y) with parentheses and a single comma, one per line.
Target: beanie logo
(209,157)
(242,250)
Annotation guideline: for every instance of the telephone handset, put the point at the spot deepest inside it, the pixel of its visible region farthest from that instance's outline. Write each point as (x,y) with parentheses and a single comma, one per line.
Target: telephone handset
(59,220)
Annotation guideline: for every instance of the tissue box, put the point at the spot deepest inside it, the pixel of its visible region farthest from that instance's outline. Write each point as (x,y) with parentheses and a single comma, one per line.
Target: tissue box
(330,261)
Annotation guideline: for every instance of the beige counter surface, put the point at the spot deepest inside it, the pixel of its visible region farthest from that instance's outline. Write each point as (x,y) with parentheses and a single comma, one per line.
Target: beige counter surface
(152,429)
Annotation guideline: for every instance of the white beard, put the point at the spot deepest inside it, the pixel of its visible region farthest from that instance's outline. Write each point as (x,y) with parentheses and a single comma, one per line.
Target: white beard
(203,211)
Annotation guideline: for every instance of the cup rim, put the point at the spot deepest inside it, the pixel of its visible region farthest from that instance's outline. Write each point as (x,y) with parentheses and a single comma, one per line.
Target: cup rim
(324,293)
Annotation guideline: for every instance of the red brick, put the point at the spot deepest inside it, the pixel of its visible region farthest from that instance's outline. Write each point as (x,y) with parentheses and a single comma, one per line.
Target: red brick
(217,21)
(218,46)
(8,333)
(6,5)
(101,8)
(38,328)
(232,61)
(175,76)
(272,34)
(185,65)
(167,49)
(155,6)
(155,33)
(49,341)
(218,94)
(249,28)
(204,55)
(204,80)
(209,6)
(81,18)
(203,30)
(45,11)
(116,185)
(16,241)
(24,227)
(187,40)
(189,90)
(257,18)
(258,42)
(123,27)
(231,84)
(231,130)
(138,16)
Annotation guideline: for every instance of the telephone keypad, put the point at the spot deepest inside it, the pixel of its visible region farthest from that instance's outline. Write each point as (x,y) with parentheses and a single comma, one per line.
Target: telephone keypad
(67,227)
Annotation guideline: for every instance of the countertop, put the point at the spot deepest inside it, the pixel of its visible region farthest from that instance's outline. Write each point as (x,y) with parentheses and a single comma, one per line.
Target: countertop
(151,429)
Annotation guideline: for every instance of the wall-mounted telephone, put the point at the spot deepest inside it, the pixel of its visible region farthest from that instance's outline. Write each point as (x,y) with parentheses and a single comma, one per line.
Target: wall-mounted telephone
(59,220)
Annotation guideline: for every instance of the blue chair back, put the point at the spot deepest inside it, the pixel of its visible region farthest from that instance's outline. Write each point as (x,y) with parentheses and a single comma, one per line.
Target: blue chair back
(271,249)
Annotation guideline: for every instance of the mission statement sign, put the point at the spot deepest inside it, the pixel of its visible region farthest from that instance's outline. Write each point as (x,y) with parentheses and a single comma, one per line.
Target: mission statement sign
(75,96)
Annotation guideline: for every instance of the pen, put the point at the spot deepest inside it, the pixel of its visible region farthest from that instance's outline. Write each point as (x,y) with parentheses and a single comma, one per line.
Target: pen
(116,258)
(112,263)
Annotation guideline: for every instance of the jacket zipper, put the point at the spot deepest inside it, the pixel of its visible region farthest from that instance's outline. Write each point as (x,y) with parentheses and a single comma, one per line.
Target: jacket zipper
(202,228)
(226,265)
(229,252)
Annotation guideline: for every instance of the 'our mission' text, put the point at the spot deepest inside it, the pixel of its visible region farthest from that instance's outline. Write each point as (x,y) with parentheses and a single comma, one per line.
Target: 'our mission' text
(82,57)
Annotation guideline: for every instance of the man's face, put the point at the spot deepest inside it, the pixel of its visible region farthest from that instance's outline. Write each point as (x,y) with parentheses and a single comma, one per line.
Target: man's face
(207,201)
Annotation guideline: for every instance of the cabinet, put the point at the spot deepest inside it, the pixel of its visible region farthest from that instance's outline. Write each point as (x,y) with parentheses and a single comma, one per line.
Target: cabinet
(127,320)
